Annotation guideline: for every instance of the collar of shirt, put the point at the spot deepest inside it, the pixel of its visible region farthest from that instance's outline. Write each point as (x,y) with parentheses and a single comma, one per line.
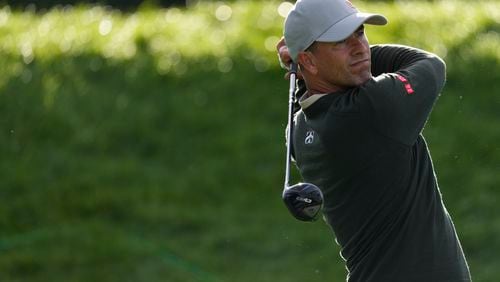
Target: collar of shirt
(307,100)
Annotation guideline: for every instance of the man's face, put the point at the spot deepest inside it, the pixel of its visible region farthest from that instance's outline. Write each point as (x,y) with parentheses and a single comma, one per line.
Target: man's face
(344,64)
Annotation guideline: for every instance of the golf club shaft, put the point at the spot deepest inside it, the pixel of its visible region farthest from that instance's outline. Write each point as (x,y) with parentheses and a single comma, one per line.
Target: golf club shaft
(291,100)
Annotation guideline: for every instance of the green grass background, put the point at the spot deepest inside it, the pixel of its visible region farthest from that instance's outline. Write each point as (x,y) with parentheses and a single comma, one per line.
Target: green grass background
(149,145)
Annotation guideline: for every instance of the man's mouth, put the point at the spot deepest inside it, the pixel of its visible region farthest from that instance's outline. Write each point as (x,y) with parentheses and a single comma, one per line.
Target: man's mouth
(360,62)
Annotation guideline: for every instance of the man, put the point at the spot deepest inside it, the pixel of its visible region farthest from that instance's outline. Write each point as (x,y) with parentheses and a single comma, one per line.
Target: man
(357,136)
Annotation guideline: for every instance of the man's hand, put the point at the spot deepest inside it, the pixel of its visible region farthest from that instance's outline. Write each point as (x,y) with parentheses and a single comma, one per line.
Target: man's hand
(283,54)
(285,59)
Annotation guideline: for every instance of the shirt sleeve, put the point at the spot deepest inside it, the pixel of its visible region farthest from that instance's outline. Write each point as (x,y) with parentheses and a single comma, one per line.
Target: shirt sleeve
(400,98)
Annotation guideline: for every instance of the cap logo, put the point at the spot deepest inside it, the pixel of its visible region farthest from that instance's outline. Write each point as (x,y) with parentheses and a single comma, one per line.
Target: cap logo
(350,4)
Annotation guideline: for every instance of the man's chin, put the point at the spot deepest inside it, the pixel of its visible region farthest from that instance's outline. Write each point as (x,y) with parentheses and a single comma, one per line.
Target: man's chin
(363,78)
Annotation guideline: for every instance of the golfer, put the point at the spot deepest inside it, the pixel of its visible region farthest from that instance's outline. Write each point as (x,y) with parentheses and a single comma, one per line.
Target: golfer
(358,137)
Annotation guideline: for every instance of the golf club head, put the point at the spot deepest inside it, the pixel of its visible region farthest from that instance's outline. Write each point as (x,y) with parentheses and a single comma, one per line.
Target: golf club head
(304,201)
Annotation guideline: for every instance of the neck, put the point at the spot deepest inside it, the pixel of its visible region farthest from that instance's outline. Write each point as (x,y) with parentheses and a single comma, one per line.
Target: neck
(321,88)
(316,85)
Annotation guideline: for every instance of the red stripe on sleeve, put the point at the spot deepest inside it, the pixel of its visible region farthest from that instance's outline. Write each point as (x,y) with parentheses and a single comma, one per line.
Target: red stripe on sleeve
(409,89)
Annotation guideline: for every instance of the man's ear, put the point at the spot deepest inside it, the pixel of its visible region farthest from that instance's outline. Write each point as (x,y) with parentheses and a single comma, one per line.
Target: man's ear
(307,62)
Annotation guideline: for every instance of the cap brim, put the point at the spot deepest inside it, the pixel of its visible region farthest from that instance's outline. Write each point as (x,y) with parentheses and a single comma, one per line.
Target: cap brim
(342,29)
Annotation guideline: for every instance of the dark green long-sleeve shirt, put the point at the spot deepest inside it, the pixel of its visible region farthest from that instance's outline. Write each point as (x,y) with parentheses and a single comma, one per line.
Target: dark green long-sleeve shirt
(363,147)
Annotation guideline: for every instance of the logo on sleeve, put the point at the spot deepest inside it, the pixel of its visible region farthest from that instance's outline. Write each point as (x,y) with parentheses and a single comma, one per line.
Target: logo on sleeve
(406,83)
(309,137)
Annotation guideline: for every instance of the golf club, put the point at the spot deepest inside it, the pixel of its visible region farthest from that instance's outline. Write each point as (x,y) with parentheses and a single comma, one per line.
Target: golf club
(303,200)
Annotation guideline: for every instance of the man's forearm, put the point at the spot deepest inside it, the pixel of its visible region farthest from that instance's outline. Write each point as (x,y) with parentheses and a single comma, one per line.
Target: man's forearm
(391,58)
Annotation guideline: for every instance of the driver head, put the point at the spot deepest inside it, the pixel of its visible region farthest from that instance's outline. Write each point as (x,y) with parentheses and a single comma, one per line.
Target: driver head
(304,201)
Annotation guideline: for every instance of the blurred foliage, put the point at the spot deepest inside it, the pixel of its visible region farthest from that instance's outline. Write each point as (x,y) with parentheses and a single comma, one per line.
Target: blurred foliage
(148,145)
(42,5)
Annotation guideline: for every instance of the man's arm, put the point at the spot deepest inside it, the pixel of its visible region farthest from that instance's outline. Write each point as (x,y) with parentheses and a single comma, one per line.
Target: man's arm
(401,96)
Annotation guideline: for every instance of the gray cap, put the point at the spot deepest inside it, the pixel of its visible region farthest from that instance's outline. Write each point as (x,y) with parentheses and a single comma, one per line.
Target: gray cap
(323,21)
